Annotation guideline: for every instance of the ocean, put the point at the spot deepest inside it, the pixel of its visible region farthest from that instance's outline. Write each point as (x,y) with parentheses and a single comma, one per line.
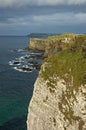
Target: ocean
(17,77)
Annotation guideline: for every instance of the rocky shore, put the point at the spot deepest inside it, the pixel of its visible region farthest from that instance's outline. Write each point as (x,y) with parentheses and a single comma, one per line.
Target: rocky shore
(59,96)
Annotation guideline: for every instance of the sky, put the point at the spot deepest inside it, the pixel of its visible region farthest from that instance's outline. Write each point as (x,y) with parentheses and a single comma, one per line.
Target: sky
(22,17)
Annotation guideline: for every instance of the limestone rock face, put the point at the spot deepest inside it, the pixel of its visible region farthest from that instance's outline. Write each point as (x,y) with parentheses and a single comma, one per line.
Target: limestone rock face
(49,46)
(39,44)
(59,96)
(57,106)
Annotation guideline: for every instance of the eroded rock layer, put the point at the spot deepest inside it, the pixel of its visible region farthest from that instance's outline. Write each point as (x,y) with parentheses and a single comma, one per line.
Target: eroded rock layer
(57,108)
(59,96)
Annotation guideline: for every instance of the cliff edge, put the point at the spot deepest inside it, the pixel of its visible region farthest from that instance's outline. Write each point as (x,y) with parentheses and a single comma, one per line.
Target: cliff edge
(59,96)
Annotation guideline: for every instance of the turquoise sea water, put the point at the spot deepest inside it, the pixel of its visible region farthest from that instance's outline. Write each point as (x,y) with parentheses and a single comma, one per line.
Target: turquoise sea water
(15,87)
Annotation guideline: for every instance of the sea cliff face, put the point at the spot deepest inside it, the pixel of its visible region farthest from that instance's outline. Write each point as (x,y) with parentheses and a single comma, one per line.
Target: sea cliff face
(52,44)
(59,96)
(58,108)
(39,44)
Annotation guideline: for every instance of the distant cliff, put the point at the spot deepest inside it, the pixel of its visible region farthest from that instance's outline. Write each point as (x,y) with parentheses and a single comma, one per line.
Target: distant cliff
(53,43)
(39,44)
(59,96)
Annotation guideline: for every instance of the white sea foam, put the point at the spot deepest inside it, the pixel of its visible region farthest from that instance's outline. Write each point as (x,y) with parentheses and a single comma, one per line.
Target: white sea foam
(21,58)
(13,62)
(19,50)
(20,69)
(36,53)
(27,56)
(10,63)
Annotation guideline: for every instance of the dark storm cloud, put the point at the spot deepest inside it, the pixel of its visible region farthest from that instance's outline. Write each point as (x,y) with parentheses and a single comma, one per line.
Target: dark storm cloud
(19,3)
(7,14)
(17,15)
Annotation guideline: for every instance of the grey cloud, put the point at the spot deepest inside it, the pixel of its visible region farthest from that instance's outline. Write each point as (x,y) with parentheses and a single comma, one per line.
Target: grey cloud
(19,3)
(38,12)
(60,18)
(36,16)
(67,18)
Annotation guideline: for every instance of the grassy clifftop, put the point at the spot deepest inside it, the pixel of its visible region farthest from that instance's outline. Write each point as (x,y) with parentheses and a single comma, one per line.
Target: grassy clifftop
(72,61)
(59,98)
(60,36)
(55,43)
(66,54)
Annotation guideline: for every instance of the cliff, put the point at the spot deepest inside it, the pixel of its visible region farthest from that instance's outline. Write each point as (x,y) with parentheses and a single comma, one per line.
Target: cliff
(59,96)
(39,44)
(53,44)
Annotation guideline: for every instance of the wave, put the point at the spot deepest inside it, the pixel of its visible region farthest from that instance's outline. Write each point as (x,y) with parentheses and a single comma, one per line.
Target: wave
(14,62)
(26,62)
(24,69)
(17,50)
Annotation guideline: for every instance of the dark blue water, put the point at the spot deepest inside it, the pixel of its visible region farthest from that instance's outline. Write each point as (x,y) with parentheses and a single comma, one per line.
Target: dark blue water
(15,87)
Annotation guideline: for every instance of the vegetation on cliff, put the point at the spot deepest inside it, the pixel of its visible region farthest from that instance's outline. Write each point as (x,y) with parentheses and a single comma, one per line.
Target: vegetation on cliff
(72,60)
(70,65)
(62,36)
(53,43)
(59,99)
(66,54)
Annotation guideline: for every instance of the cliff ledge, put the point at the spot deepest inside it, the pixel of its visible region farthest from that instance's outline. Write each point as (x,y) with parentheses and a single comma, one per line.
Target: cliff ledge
(59,96)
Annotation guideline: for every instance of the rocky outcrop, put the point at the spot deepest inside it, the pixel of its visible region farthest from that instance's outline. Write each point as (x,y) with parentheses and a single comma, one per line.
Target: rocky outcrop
(48,46)
(57,107)
(39,44)
(59,96)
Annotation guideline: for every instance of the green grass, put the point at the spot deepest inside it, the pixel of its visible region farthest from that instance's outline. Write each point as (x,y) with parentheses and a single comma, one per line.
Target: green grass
(65,61)
(58,37)
(67,64)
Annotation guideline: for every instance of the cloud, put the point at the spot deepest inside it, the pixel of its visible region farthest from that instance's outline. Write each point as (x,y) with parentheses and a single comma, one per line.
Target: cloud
(41,19)
(19,3)
(54,22)
(67,18)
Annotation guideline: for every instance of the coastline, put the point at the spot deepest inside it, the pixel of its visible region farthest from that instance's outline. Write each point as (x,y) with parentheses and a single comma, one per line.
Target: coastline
(58,85)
